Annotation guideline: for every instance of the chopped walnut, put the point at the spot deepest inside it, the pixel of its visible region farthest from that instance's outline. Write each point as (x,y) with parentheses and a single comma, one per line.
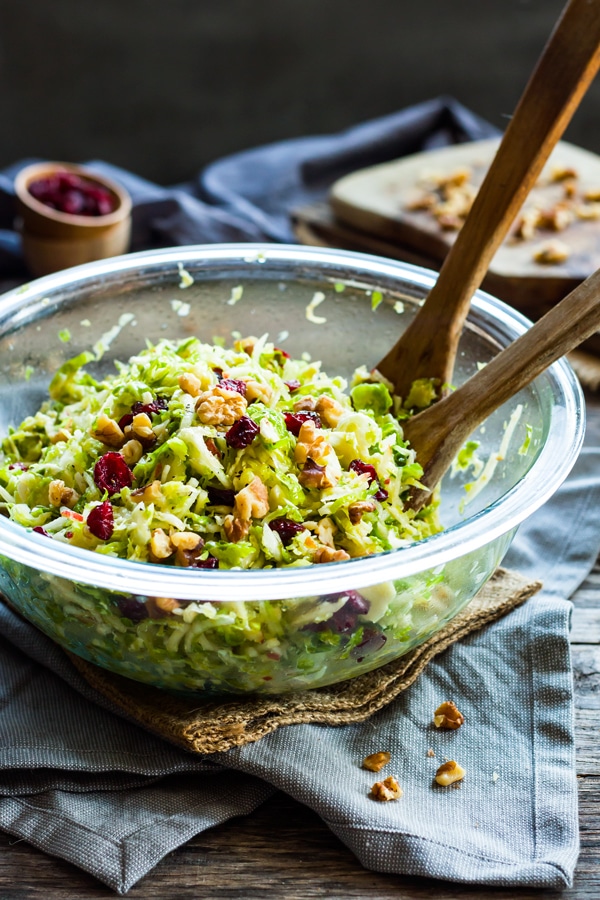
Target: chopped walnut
(450,222)
(246,345)
(448,716)
(430,752)
(220,406)
(556,219)
(132,452)
(358,509)
(62,435)
(588,211)
(386,790)
(188,546)
(190,384)
(108,431)
(141,427)
(592,196)
(376,761)
(526,225)
(325,530)
(61,495)
(152,493)
(257,391)
(458,177)
(160,544)
(252,502)
(458,202)
(314,476)
(328,554)
(159,607)
(186,540)
(422,201)
(563,173)
(449,772)
(303,404)
(235,529)
(330,410)
(311,442)
(552,253)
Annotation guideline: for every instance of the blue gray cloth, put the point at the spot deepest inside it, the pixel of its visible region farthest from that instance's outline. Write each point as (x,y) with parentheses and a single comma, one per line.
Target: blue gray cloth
(81,782)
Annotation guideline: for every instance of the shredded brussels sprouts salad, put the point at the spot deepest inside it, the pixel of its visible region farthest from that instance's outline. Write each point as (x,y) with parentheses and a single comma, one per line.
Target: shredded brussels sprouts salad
(197,455)
(201,456)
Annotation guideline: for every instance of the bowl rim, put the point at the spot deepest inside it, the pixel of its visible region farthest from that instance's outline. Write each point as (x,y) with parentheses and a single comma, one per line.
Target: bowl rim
(555,460)
(37,170)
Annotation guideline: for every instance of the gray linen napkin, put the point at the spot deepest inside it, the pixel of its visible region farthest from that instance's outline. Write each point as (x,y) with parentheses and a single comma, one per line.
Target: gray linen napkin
(82,783)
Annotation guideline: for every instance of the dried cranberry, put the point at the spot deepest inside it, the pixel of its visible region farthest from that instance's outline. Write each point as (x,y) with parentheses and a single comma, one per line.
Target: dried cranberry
(211,562)
(72,194)
(220,496)
(100,521)
(280,356)
(292,385)
(312,474)
(132,608)
(125,420)
(372,641)
(234,384)
(155,406)
(293,421)
(355,601)
(241,433)
(286,529)
(345,619)
(363,468)
(39,530)
(111,473)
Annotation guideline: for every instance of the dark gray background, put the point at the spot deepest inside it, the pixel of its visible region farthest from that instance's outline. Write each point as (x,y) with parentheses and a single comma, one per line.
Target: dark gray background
(163,87)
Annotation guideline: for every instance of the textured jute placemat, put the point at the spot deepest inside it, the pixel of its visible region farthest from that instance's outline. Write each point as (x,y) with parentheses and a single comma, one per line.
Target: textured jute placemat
(208,725)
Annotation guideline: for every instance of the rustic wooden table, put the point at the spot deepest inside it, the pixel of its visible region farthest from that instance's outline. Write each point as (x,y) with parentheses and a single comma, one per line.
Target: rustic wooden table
(285,851)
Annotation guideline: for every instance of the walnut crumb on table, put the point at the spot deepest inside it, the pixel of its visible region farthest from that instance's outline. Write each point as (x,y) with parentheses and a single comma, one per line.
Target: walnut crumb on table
(376,761)
(552,253)
(386,790)
(447,715)
(449,772)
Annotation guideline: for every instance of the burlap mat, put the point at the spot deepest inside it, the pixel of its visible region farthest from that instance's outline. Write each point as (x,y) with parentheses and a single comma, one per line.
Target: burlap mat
(210,725)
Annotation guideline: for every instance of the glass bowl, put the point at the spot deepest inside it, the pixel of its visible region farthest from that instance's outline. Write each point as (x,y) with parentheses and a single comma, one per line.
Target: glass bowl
(272,630)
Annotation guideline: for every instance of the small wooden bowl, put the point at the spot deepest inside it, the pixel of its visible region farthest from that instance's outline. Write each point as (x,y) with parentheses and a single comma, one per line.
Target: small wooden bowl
(54,240)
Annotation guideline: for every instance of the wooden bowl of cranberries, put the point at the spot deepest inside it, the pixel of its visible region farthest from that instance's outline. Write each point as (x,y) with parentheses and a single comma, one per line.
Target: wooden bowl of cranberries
(70,215)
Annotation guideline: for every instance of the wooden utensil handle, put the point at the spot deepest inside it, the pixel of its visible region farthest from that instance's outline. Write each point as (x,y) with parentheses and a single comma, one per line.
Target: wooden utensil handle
(568,64)
(439,432)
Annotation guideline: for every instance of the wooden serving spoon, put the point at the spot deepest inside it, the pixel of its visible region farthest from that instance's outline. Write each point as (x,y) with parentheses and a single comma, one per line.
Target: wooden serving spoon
(570,60)
(438,433)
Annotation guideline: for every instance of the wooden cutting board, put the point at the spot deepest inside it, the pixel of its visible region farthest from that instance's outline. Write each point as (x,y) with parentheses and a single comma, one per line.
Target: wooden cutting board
(376,201)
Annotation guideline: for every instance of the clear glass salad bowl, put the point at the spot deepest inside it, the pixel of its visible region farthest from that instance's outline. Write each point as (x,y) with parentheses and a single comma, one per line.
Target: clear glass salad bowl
(284,629)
